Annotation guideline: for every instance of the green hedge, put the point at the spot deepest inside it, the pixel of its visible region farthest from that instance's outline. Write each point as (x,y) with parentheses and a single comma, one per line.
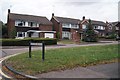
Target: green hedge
(25,42)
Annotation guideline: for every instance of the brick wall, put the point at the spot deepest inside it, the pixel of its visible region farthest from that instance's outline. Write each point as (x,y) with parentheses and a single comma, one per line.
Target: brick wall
(45,27)
(75,36)
(57,27)
(10,26)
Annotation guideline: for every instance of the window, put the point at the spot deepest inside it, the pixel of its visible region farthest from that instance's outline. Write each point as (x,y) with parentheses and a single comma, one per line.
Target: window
(19,23)
(84,26)
(33,24)
(66,35)
(74,26)
(20,34)
(25,23)
(95,27)
(65,25)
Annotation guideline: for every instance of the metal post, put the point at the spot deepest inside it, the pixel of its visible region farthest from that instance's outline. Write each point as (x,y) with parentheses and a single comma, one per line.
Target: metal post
(43,51)
(30,49)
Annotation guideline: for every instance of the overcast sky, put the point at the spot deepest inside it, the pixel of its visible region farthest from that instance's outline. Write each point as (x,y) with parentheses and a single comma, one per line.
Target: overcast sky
(102,10)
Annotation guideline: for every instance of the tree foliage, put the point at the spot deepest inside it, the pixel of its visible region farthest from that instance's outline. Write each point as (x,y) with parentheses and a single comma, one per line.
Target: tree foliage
(13,32)
(3,30)
(89,33)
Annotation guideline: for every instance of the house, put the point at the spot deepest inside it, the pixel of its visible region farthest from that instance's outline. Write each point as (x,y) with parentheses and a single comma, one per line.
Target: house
(112,28)
(22,26)
(118,28)
(1,23)
(98,26)
(66,28)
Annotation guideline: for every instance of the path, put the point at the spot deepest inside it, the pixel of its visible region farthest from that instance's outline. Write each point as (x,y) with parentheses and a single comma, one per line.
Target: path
(99,71)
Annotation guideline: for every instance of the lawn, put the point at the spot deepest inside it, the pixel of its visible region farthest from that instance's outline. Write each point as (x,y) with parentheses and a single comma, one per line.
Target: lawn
(63,58)
(66,42)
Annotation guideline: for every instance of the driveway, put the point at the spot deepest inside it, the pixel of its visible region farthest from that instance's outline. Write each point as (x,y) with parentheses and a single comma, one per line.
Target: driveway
(99,71)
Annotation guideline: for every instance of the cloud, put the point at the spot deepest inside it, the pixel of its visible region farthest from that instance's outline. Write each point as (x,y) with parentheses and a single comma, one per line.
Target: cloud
(94,9)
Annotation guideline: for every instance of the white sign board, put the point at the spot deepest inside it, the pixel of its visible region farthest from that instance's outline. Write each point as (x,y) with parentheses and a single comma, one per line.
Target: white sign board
(35,43)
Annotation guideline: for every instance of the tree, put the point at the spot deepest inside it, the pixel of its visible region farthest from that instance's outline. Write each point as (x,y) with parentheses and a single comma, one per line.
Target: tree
(13,32)
(4,31)
(89,34)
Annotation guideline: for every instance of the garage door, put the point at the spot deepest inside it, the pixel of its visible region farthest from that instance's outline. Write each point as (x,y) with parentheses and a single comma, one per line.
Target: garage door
(49,35)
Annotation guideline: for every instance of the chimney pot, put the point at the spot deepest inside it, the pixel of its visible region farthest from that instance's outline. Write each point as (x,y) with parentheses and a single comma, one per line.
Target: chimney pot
(83,17)
(8,10)
(52,14)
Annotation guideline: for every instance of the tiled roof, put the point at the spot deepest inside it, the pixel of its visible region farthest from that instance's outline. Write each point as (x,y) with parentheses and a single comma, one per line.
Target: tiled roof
(95,22)
(98,22)
(67,20)
(30,18)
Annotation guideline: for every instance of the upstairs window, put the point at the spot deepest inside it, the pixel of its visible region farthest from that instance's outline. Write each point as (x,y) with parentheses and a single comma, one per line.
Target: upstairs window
(95,27)
(65,25)
(84,26)
(74,26)
(19,23)
(26,24)
(33,24)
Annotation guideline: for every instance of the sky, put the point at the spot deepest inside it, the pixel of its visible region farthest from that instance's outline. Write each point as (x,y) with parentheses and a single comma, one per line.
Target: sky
(101,10)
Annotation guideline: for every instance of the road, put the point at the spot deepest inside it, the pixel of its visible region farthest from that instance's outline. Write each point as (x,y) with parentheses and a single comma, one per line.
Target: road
(6,51)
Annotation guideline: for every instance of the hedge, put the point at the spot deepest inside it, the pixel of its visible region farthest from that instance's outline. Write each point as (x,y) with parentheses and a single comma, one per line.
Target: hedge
(25,42)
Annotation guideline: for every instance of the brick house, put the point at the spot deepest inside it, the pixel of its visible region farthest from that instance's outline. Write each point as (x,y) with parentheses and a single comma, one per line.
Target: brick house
(66,28)
(29,26)
(1,23)
(112,28)
(98,26)
(118,28)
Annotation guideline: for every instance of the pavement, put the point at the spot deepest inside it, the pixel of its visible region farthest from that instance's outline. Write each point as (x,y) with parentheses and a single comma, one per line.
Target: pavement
(14,50)
(99,71)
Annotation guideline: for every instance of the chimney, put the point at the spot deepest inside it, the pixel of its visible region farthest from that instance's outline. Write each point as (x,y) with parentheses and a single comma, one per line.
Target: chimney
(52,14)
(83,17)
(8,10)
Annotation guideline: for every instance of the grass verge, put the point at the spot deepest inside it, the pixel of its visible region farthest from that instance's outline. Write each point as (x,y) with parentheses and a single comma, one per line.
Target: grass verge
(66,42)
(63,58)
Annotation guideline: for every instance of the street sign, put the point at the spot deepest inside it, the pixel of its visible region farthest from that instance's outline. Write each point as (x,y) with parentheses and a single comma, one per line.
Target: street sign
(40,44)
(35,44)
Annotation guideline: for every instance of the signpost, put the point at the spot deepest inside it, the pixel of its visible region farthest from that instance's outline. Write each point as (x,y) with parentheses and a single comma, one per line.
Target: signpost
(40,44)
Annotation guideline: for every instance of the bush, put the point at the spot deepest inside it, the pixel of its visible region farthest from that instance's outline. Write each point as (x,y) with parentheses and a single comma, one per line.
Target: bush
(25,42)
(111,36)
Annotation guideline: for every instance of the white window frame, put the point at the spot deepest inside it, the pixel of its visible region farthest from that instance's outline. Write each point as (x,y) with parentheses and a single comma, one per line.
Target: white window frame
(66,34)
(84,26)
(22,33)
(66,25)
(76,26)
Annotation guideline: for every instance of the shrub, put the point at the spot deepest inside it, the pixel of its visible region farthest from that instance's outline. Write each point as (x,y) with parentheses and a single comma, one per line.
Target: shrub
(111,36)
(89,34)
(25,42)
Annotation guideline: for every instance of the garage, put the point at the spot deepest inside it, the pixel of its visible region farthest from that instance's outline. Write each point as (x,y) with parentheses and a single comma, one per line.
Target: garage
(49,35)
